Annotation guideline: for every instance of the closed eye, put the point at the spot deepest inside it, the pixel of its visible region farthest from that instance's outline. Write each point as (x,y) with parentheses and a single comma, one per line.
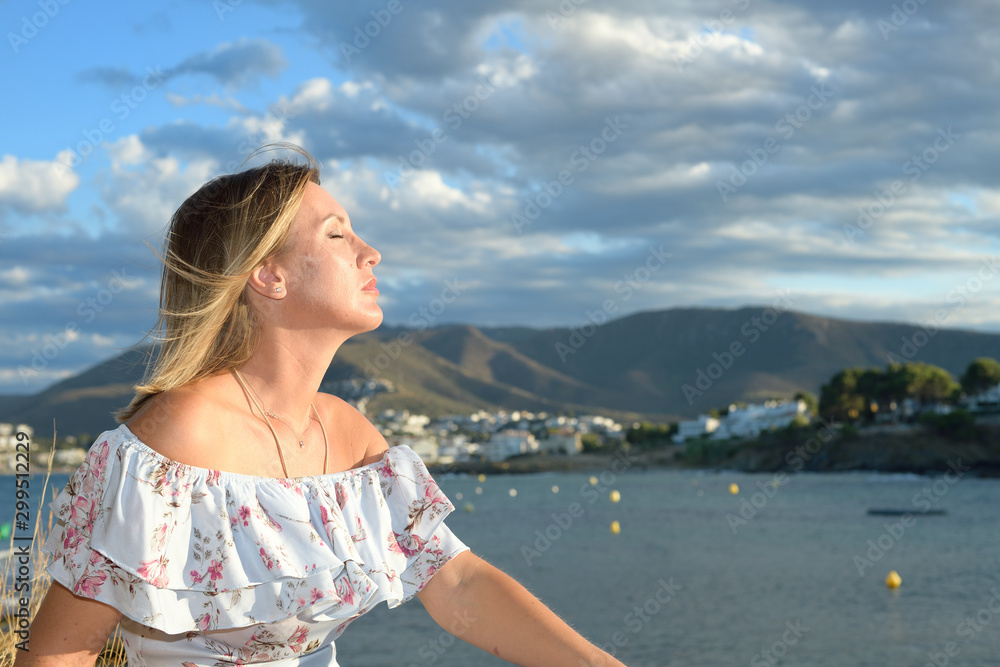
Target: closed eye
(336,236)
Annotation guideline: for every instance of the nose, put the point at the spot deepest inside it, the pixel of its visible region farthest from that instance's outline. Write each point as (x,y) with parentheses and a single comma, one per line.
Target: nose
(368,257)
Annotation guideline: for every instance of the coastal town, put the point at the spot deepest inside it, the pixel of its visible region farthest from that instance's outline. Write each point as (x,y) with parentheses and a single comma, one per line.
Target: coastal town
(866,399)
(497,436)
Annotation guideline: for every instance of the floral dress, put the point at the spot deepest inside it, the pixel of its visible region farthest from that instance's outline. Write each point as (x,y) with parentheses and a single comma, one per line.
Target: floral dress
(214,568)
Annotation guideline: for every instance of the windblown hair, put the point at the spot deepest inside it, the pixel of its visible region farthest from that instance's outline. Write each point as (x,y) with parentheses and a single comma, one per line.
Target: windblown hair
(217,237)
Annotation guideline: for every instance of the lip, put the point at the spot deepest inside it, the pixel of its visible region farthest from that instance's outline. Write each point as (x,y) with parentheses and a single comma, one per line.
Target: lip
(370,286)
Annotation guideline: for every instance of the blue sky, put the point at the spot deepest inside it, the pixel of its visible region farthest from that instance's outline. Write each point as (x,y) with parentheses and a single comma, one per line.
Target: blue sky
(535,152)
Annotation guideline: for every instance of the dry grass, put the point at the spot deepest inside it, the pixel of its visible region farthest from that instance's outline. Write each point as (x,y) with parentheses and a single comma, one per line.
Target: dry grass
(113,654)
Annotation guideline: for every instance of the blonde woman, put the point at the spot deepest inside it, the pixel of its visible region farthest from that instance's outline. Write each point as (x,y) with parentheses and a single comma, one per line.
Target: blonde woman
(239,516)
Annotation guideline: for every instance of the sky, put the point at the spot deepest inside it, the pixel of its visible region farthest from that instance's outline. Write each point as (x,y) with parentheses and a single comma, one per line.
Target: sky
(541,163)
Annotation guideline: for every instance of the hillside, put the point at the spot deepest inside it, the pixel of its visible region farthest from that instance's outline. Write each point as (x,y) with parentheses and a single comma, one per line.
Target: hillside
(632,368)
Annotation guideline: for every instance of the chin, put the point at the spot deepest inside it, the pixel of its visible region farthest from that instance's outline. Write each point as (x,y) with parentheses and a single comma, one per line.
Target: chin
(376,322)
(371,322)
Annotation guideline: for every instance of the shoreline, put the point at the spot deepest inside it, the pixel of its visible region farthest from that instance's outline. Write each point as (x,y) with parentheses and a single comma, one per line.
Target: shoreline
(911,452)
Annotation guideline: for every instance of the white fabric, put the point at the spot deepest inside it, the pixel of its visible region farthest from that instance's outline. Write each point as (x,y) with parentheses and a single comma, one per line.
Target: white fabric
(217,568)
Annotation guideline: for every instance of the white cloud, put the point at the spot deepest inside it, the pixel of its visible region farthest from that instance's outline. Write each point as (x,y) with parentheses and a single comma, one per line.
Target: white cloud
(35,186)
(144,189)
(15,276)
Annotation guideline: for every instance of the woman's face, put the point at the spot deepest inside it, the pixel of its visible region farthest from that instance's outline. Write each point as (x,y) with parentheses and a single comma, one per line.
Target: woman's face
(326,270)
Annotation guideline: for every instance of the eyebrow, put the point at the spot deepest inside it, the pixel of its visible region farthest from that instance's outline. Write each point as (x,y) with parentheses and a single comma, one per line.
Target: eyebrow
(335,217)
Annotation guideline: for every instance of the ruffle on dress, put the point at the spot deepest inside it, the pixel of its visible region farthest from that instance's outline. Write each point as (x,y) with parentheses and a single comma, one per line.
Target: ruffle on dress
(181,549)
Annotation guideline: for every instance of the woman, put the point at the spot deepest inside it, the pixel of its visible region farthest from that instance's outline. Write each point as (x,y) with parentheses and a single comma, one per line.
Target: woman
(238,515)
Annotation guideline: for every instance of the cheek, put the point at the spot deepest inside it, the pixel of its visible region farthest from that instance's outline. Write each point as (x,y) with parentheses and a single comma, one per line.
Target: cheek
(308,268)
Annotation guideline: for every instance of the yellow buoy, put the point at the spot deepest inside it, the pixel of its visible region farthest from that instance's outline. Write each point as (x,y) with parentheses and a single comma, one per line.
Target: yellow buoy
(512,492)
(469,507)
(593,481)
(893,580)
(482,478)
(555,489)
(615,496)
(734,488)
(615,528)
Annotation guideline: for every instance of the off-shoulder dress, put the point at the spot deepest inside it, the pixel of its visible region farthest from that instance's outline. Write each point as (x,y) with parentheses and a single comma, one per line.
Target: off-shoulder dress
(215,568)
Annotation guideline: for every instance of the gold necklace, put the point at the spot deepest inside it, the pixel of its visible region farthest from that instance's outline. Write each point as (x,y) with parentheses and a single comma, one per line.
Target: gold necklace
(281,457)
(268,412)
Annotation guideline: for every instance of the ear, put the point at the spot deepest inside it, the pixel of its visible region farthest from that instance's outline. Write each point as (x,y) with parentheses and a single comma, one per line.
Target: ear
(266,282)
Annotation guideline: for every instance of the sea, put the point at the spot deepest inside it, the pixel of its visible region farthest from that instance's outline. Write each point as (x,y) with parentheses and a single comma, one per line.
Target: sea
(718,568)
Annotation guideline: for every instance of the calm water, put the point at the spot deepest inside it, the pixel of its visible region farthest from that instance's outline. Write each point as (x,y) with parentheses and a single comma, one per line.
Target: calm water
(786,582)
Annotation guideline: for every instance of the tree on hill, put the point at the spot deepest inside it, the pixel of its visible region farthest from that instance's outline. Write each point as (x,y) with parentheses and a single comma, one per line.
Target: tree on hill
(932,384)
(982,374)
(900,382)
(857,392)
(840,399)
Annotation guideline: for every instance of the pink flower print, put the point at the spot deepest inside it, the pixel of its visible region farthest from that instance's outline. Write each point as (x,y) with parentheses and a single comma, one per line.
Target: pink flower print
(215,570)
(432,504)
(407,544)
(289,484)
(196,577)
(386,469)
(154,571)
(298,638)
(204,622)
(345,591)
(89,585)
(269,520)
(341,495)
(267,560)
(101,459)
(331,521)
(360,533)
(81,511)
(159,477)
(316,596)
(159,537)
(245,515)
(73,538)
(213,478)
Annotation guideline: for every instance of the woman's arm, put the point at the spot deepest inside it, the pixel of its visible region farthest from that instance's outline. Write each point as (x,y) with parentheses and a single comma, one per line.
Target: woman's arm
(478,603)
(68,630)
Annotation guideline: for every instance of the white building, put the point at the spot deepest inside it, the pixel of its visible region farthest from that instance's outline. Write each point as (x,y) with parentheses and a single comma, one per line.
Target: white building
(508,443)
(8,436)
(751,421)
(748,422)
(703,425)
(424,447)
(69,457)
(455,448)
(566,442)
(984,400)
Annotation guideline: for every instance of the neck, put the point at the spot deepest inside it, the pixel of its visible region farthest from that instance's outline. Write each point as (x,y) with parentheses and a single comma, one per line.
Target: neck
(287,375)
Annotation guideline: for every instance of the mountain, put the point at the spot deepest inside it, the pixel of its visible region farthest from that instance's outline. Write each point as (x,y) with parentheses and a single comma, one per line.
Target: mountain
(658,365)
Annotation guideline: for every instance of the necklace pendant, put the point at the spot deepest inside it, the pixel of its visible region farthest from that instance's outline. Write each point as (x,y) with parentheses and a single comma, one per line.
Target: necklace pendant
(302,443)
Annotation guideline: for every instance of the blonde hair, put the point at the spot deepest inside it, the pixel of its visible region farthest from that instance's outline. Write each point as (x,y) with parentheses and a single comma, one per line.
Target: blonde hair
(216,238)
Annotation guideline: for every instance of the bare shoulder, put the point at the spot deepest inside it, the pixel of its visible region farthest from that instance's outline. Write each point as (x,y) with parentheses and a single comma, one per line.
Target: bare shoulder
(352,424)
(177,423)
